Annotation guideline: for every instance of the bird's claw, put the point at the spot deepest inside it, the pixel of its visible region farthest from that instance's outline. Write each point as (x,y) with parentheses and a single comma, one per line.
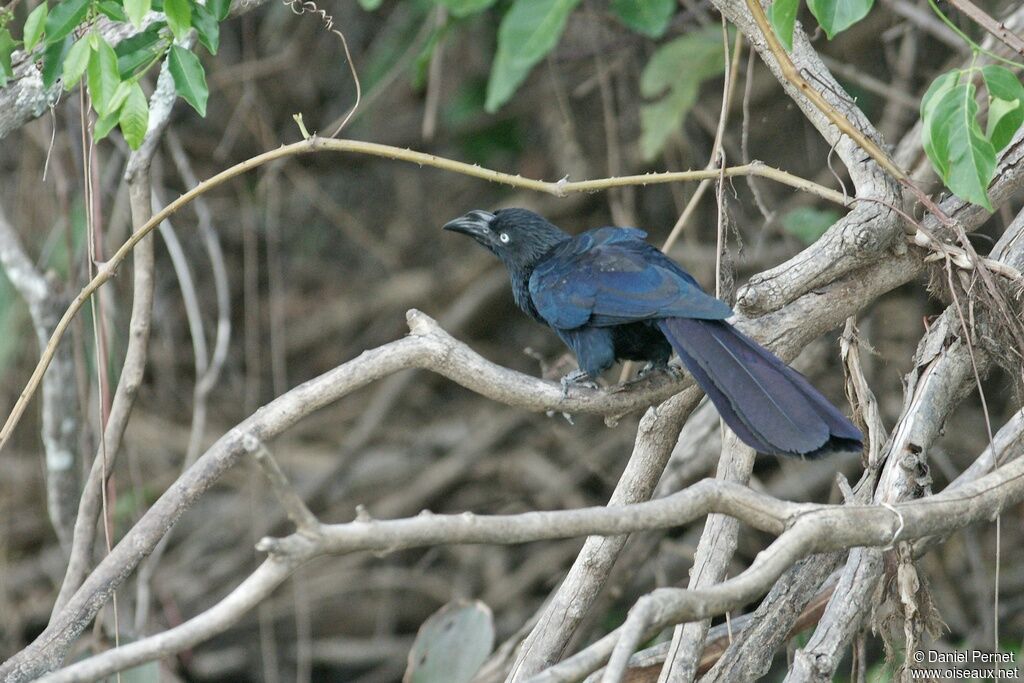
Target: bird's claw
(671,370)
(577,378)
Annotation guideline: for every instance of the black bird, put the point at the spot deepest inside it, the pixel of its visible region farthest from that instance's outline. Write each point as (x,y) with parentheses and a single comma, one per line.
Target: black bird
(612,296)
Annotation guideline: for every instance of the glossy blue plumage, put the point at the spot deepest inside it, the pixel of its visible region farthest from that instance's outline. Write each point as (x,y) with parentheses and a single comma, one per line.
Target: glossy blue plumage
(611,276)
(609,295)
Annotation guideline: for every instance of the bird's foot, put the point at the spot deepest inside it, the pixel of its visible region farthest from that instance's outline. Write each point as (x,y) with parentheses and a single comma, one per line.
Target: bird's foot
(650,369)
(577,378)
(672,371)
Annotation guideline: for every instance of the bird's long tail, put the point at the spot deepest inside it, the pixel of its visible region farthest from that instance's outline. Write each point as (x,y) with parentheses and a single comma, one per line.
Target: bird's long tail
(770,406)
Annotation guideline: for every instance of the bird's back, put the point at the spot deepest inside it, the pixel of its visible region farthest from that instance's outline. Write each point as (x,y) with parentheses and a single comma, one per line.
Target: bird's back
(612,276)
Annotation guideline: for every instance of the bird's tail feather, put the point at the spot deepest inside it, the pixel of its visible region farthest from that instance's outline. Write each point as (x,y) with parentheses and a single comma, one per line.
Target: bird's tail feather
(770,406)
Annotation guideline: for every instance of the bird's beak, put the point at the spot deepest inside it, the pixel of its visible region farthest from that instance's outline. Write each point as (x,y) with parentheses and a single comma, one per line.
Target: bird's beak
(476,224)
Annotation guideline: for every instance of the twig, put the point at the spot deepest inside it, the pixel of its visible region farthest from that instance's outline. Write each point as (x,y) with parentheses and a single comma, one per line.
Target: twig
(211,242)
(996,28)
(755,189)
(304,520)
(560,188)
(794,77)
(859,393)
(919,16)
(728,87)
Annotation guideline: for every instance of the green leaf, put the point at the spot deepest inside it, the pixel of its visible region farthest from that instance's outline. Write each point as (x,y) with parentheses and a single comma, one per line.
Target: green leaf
(1004,119)
(134,118)
(53,60)
(112,10)
(1001,82)
(679,67)
(966,159)
(220,8)
(103,76)
(64,18)
(528,31)
(649,17)
(104,125)
(452,644)
(6,49)
(465,8)
(144,673)
(835,16)
(179,17)
(121,93)
(370,5)
(933,140)
(807,223)
(421,65)
(782,14)
(1006,105)
(189,78)
(659,120)
(34,26)
(936,90)
(139,50)
(76,62)
(694,57)
(207,28)
(137,11)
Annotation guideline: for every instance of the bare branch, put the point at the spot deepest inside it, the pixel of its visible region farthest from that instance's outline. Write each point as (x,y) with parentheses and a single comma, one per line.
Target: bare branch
(996,28)
(826,528)
(942,377)
(871,229)
(137,175)
(805,529)
(286,494)
(715,551)
(60,406)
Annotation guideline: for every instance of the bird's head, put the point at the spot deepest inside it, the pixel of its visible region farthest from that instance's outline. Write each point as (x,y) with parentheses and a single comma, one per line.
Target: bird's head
(519,237)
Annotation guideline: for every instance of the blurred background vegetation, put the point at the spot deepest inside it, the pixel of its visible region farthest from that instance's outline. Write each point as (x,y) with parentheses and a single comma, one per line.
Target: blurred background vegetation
(325,253)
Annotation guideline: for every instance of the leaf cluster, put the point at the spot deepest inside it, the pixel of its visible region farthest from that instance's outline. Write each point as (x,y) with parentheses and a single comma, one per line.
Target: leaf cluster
(72,50)
(961,151)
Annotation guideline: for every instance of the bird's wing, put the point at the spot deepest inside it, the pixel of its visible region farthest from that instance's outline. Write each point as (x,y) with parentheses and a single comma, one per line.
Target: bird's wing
(610,276)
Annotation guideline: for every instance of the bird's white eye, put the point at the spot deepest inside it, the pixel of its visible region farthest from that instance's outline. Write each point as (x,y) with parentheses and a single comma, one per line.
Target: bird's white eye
(505,239)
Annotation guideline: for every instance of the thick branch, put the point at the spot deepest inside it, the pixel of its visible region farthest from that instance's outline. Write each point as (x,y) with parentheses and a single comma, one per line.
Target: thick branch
(824,529)
(943,375)
(871,229)
(715,551)
(805,528)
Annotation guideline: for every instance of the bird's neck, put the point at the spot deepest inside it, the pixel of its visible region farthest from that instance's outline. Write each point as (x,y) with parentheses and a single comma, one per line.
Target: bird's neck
(520,273)
(521,290)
